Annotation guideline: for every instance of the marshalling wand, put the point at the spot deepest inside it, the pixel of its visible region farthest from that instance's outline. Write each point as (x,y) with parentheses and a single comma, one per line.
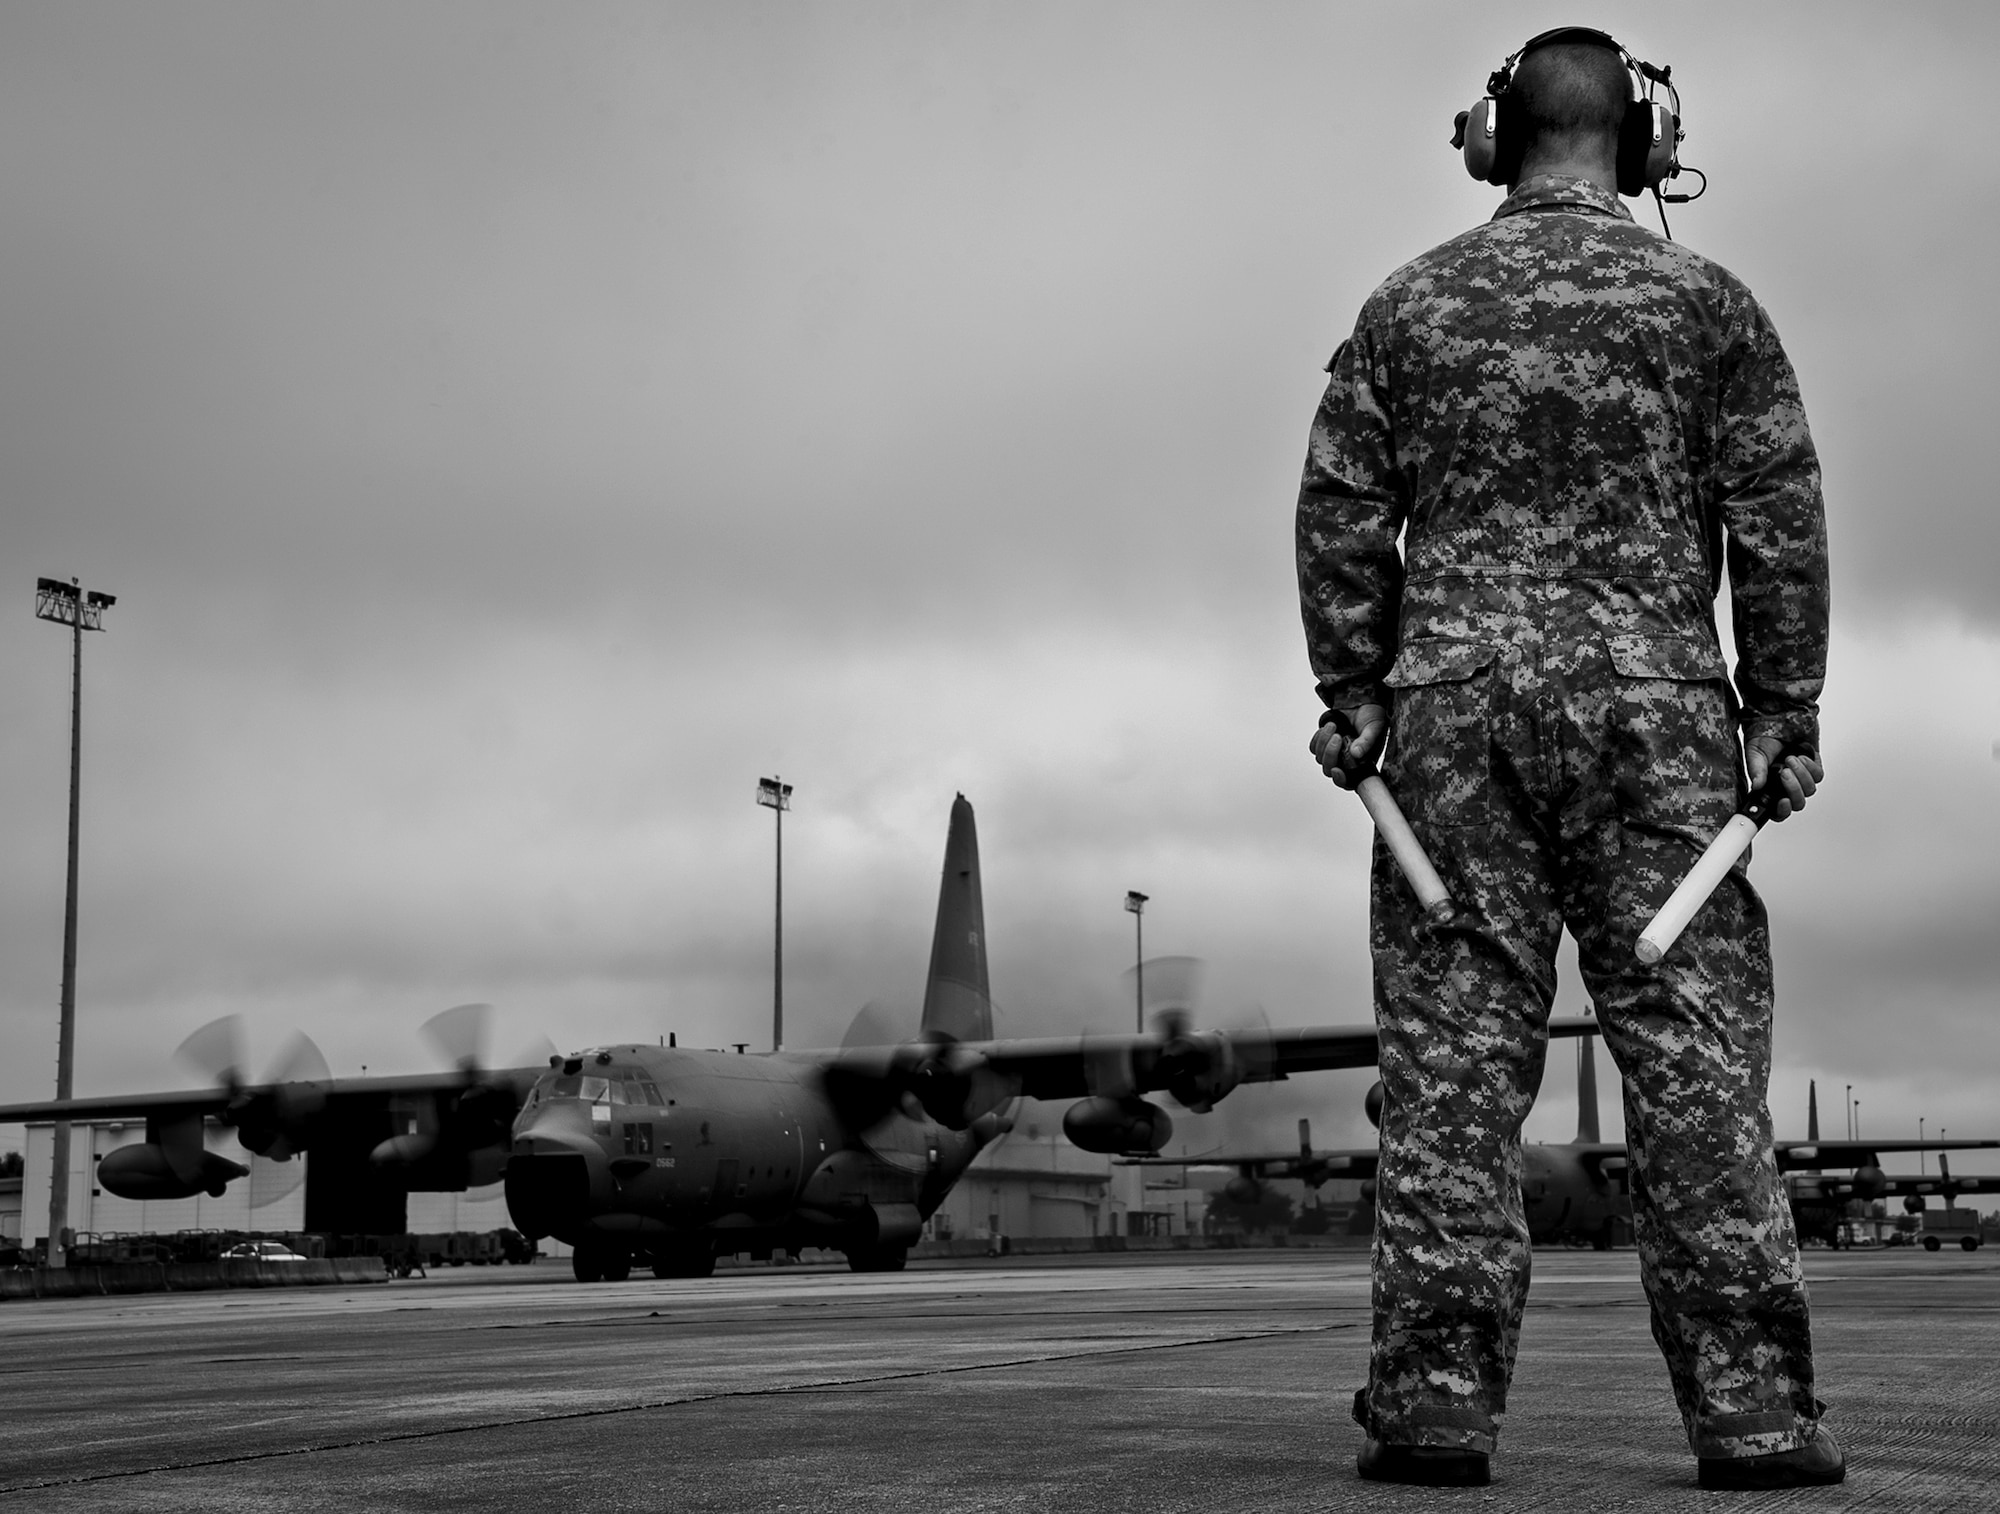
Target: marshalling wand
(1396,833)
(1730,843)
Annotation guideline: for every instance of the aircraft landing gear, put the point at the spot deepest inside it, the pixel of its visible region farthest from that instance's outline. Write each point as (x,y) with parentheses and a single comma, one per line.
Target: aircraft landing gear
(878,1258)
(601,1264)
(692,1261)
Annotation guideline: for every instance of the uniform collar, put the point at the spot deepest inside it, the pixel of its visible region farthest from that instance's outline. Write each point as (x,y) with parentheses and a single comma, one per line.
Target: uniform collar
(1549,191)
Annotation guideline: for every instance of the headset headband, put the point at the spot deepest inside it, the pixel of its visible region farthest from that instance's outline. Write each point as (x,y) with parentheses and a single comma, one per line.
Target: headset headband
(1648,139)
(1502,78)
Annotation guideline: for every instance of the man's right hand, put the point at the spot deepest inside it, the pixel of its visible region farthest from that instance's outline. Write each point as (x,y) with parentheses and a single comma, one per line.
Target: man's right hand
(1798,776)
(1348,742)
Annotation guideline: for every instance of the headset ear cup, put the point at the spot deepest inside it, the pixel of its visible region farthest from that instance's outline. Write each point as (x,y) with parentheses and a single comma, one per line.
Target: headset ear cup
(1482,141)
(1646,146)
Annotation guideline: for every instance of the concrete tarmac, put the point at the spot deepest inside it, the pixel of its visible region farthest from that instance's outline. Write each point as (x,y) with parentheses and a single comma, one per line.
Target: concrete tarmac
(1195,1381)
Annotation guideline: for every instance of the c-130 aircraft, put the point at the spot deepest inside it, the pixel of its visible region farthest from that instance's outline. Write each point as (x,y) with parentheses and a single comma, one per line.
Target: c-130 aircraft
(1578,1192)
(667,1156)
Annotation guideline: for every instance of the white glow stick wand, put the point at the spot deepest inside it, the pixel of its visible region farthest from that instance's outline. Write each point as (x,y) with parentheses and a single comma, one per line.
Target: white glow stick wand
(1397,836)
(1730,843)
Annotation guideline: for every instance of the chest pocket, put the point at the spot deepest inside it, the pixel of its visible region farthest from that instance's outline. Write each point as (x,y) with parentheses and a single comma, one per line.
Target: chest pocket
(1441,728)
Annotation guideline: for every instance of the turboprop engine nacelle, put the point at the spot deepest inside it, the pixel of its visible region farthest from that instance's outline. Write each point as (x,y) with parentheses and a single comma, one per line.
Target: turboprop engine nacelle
(1199,1069)
(1243,1190)
(1118,1127)
(142,1171)
(1870,1182)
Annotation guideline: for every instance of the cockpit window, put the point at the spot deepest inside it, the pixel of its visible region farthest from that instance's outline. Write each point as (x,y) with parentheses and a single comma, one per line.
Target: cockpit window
(627,1089)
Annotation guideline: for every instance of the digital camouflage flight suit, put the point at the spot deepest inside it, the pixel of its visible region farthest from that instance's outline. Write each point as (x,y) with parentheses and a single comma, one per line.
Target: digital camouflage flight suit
(1573,423)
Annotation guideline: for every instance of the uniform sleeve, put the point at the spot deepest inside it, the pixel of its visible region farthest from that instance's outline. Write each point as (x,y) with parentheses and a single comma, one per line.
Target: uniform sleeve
(1767,489)
(1352,504)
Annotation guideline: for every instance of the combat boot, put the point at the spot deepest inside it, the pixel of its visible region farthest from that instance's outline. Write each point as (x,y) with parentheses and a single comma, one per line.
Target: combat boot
(1418,1466)
(1424,1466)
(1818,1463)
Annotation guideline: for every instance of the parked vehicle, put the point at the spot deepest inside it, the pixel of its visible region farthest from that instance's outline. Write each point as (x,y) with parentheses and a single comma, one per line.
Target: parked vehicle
(1941,1225)
(262,1251)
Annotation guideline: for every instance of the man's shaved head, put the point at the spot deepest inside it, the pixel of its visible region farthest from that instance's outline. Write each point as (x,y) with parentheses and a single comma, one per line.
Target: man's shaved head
(1571,99)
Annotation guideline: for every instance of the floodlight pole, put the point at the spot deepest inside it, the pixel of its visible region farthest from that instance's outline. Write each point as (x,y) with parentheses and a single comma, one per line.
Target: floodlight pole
(1921,1168)
(1850,1111)
(777,797)
(67,604)
(1136,903)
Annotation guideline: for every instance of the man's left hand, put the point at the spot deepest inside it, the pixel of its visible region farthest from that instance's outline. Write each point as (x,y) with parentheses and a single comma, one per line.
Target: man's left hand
(1345,753)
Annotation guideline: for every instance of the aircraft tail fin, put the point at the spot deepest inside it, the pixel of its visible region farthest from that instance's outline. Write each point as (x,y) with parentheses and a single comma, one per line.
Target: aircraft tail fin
(957,1000)
(1586,1090)
(1812,1110)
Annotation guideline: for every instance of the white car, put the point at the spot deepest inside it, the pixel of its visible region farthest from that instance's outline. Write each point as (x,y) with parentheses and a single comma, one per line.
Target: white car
(262,1251)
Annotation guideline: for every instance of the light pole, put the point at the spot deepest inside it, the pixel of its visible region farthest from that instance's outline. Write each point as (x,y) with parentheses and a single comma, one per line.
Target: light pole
(1857,1119)
(66,604)
(1136,903)
(1850,1111)
(1921,1168)
(777,798)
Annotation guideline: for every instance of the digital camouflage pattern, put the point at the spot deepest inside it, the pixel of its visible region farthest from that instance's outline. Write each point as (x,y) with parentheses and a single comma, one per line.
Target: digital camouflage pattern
(1561,398)
(1572,426)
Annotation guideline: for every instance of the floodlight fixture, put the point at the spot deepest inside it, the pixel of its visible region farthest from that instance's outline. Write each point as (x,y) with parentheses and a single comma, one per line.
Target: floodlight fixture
(1135,905)
(776,795)
(68,605)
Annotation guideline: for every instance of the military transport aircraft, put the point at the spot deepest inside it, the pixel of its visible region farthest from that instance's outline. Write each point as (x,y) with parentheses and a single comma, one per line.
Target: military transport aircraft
(1820,1199)
(668,1156)
(1569,1192)
(1579,1190)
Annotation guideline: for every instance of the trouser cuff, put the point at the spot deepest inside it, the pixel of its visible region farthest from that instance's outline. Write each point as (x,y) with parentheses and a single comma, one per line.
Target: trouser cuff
(1760,1434)
(1457,1426)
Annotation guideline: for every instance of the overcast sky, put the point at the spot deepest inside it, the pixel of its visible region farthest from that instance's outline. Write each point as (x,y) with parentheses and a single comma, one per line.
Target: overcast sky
(512,430)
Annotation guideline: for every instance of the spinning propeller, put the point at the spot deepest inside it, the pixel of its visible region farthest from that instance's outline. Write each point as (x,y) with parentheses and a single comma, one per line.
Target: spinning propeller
(273,1119)
(879,1073)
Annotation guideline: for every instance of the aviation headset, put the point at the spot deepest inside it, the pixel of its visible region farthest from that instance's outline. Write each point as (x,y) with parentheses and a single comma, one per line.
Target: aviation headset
(1648,139)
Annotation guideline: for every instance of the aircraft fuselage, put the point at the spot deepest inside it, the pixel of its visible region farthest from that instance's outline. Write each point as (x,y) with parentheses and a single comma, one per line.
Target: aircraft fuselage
(672,1155)
(1566,1200)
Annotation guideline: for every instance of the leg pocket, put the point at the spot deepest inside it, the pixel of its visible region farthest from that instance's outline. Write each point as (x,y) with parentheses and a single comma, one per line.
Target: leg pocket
(1674,756)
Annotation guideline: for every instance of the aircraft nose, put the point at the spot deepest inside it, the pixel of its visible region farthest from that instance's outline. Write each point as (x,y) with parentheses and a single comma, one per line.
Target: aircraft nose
(553,1173)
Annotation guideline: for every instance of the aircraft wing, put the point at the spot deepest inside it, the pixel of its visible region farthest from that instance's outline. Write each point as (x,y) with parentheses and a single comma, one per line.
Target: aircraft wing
(1794,1155)
(1839,1190)
(1069,1067)
(217,1101)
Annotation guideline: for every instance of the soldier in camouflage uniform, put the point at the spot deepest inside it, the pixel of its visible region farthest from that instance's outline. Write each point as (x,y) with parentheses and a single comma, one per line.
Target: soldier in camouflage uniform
(1573,425)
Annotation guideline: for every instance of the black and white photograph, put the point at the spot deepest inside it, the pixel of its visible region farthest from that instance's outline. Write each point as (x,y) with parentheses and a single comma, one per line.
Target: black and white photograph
(999,756)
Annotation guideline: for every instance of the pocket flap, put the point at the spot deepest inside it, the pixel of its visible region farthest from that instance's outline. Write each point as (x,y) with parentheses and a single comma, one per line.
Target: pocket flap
(1678,657)
(1437,659)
